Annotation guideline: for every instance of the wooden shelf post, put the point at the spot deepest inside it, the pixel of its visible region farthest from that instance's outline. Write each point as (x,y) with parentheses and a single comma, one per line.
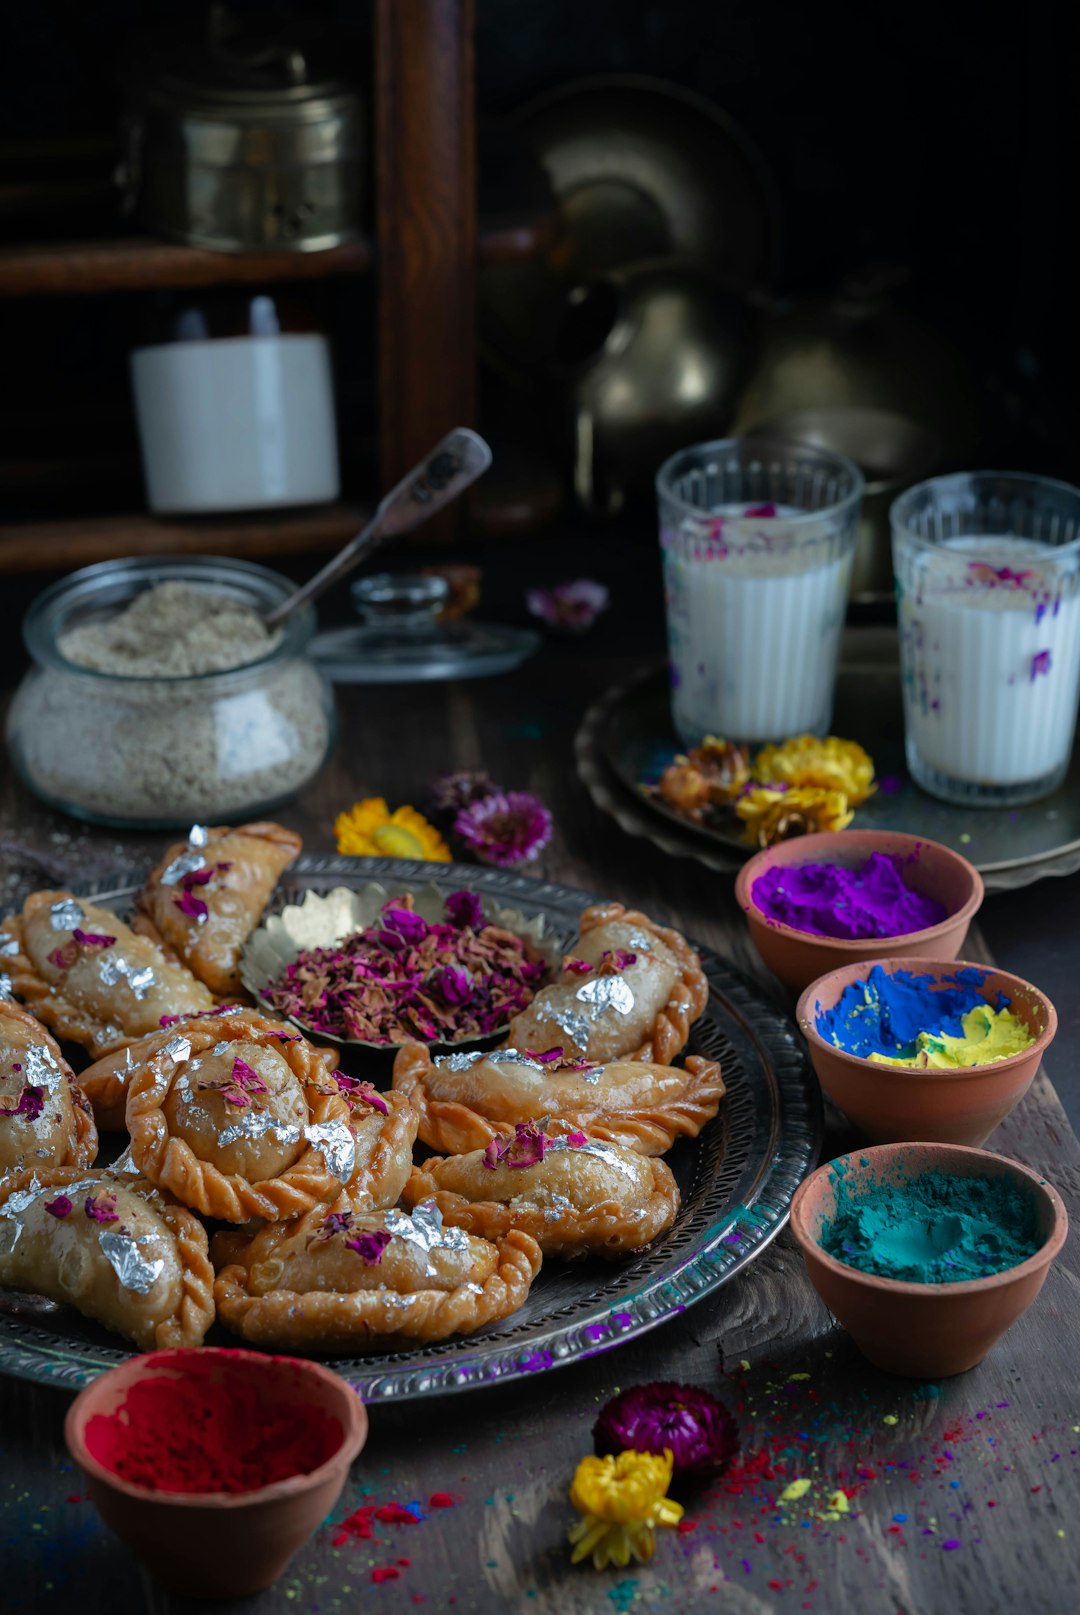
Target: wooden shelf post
(425,208)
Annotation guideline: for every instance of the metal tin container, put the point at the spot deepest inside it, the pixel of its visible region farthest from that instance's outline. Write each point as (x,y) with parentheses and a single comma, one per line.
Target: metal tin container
(242,144)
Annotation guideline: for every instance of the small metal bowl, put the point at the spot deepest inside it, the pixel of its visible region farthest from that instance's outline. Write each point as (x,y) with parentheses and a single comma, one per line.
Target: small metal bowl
(320,921)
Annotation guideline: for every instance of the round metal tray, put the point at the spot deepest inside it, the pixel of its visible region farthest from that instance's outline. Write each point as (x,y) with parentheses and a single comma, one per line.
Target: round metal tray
(737,1180)
(627,737)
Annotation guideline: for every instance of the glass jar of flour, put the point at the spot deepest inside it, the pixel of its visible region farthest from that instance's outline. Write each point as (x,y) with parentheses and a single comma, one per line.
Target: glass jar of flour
(158,698)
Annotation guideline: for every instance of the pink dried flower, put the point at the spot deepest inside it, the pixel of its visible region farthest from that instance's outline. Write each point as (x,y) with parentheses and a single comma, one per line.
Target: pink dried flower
(547,1056)
(59,1207)
(526,1148)
(30,1103)
(569,608)
(698,1430)
(335,1222)
(369,1247)
(579,967)
(92,939)
(64,957)
(101,1207)
(453,985)
(412,928)
(361,1092)
(506,829)
(576,1139)
(192,906)
(451,792)
(465,910)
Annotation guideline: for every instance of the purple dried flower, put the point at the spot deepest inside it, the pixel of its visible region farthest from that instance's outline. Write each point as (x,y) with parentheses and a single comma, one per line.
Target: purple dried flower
(369,1247)
(577,1139)
(101,1207)
(697,1428)
(192,906)
(60,1207)
(547,1056)
(465,910)
(92,939)
(507,829)
(526,1148)
(361,1092)
(569,608)
(452,792)
(64,957)
(579,967)
(454,986)
(412,927)
(335,1222)
(30,1103)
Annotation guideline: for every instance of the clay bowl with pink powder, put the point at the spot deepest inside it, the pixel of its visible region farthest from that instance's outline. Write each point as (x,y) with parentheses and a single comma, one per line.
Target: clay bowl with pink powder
(197,1419)
(925,1331)
(926,868)
(891,1103)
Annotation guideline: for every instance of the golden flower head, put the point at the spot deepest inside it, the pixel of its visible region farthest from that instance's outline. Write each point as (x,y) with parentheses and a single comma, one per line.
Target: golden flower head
(369,830)
(724,765)
(772,816)
(622,1500)
(829,765)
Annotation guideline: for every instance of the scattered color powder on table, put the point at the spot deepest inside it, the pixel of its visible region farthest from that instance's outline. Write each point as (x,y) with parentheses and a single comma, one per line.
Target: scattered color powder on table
(830,900)
(189,1431)
(933,1229)
(885,1014)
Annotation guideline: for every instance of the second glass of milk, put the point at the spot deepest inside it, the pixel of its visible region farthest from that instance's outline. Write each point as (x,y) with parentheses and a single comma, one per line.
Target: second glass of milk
(758,538)
(988,584)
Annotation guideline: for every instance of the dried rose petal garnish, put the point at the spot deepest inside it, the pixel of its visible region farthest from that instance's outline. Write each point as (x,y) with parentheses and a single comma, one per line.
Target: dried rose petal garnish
(92,939)
(60,1207)
(239,1085)
(526,1148)
(577,1140)
(101,1207)
(357,1092)
(369,1247)
(30,1103)
(612,962)
(579,967)
(406,978)
(187,902)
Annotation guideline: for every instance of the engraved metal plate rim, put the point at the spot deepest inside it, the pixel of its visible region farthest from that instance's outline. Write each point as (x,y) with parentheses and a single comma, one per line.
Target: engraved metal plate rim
(776,1105)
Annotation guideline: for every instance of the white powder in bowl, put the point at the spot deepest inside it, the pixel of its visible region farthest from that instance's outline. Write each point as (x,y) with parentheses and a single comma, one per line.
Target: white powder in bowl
(172,631)
(182,749)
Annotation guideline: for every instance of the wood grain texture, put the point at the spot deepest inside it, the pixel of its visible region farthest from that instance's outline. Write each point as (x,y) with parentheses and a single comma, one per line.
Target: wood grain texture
(506,1455)
(425,205)
(142,263)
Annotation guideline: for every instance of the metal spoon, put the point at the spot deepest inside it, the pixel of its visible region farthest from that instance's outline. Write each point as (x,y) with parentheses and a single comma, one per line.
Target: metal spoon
(447,471)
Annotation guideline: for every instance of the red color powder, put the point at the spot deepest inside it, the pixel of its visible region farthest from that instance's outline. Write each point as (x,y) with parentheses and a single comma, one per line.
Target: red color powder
(212,1427)
(440,1500)
(384,1573)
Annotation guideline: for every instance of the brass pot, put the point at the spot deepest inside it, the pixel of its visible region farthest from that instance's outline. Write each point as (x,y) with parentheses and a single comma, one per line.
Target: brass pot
(648,359)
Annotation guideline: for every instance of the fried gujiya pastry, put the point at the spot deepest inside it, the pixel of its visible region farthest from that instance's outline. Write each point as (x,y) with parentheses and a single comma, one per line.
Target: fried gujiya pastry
(575,1195)
(105,1083)
(466,1100)
(338,1282)
(207,895)
(630,989)
(114,1248)
(88,976)
(383,1127)
(45,1119)
(236,1119)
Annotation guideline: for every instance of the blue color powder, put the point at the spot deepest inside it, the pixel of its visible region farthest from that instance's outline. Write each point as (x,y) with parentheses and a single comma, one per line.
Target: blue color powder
(885,1014)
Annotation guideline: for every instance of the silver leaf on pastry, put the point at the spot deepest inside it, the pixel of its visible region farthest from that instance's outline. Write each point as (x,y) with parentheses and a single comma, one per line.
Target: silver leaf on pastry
(198,835)
(40,1070)
(255,1124)
(178,1048)
(10,948)
(337,1145)
(115,968)
(11,1211)
(7,986)
(185,863)
(66,915)
(607,992)
(572,1024)
(424,1229)
(127,1262)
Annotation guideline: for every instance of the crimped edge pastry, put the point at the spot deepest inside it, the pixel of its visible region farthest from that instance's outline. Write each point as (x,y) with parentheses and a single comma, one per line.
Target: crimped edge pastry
(84,1147)
(189,1325)
(455,1128)
(375,1320)
(607,1228)
(171,1162)
(688,999)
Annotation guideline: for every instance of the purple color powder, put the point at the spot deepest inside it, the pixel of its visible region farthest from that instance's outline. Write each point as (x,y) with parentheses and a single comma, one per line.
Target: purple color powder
(829,900)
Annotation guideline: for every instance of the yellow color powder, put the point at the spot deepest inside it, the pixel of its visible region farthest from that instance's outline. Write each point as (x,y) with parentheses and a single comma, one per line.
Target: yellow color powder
(989,1034)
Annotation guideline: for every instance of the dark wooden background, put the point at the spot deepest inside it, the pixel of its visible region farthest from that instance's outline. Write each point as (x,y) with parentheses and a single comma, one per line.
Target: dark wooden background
(987,1461)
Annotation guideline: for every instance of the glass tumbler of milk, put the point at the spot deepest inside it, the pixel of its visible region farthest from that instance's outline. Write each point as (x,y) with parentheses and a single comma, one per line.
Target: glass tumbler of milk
(988,587)
(758,538)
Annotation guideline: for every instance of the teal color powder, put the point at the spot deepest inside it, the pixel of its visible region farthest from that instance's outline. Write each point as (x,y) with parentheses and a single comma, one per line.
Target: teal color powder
(885,1014)
(933,1229)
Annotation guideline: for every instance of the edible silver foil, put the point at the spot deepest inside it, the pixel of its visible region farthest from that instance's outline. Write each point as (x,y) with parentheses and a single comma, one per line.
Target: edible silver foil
(11,1211)
(114,968)
(198,835)
(641,942)
(424,1229)
(607,992)
(255,1124)
(222,1047)
(7,986)
(464,1062)
(572,1024)
(338,1147)
(185,863)
(123,1256)
(10,948)
(178,1048)
(40,1070)
(66,915)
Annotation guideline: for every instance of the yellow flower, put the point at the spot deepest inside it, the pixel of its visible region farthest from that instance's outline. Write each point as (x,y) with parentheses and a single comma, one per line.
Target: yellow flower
(370,830)
(622,1501)
(830,765)
(772,816)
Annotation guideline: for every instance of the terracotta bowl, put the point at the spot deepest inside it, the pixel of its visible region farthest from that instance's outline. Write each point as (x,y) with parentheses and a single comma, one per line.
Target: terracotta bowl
(798,958)
(890,1103)
(925,1331)
(220,1544)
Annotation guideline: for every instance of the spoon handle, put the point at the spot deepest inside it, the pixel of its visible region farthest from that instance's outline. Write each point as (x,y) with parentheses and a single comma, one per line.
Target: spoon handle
(441,476)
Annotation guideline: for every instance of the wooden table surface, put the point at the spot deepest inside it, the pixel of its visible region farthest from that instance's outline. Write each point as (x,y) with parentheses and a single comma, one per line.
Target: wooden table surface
(963,1496)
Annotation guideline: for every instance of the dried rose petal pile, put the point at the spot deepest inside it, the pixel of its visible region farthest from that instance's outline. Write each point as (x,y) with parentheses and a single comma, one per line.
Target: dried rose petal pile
(406,977)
